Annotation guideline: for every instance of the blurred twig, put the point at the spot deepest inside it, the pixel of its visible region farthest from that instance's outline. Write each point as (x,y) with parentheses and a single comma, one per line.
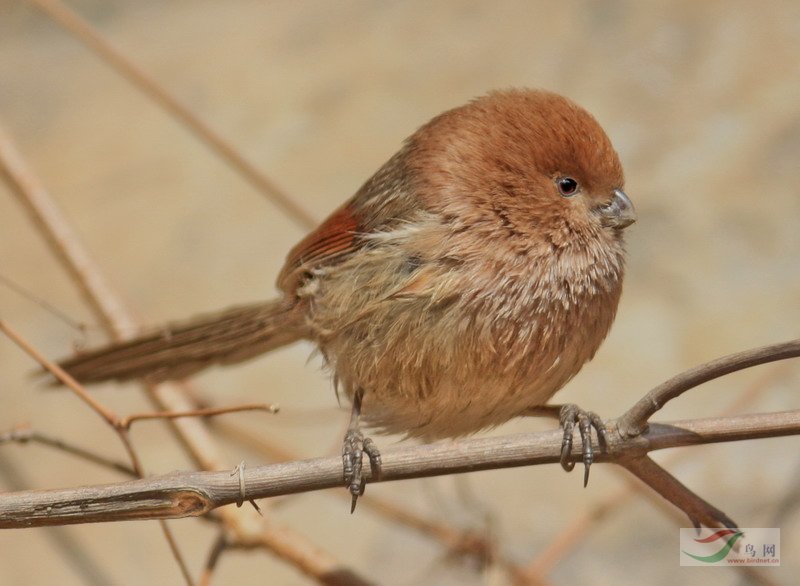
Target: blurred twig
(103,48)
(63,240)
(23,434)
(217,549)
(247,527)
(44,304)
(109,416)
(64,541)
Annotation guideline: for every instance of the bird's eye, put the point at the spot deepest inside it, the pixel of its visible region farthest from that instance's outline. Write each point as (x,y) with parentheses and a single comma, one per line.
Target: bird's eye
(567,186)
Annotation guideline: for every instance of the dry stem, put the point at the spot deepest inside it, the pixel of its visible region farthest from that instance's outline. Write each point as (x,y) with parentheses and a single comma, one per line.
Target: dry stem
(637,416)
(246,526)
(570,536)
(196,493)
(23,434)
(103,48)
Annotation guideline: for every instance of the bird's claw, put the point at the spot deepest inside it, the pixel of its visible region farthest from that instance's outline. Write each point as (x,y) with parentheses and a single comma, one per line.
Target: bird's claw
(354,447)
(569,415)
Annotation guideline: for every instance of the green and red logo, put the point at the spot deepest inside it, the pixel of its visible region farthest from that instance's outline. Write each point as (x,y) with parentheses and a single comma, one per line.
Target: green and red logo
(726,538)
(726,547)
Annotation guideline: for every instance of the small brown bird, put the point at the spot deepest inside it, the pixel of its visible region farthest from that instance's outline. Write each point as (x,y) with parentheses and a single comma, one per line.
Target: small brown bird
(463,285)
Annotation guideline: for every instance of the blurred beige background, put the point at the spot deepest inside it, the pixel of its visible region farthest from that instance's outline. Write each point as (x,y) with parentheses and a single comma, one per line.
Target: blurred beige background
(702,100)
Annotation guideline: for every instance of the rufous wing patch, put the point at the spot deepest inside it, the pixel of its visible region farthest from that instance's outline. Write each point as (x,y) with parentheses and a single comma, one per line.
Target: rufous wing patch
(333,238)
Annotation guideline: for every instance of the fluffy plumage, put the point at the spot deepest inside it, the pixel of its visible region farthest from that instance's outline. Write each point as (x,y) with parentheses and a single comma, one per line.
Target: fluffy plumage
(458,287)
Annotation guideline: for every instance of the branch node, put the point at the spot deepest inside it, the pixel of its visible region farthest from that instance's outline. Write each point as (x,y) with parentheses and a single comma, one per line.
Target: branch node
(242,489)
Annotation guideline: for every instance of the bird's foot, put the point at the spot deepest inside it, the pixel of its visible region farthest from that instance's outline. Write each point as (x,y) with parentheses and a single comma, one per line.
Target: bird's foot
(354,447)
(569,415)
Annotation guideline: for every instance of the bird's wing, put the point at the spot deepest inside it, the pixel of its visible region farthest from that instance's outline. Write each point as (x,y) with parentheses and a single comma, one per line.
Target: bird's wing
(382,200)
(334,238)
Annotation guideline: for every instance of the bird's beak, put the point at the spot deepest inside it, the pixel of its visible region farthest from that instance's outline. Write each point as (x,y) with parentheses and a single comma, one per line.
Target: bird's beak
(619,213)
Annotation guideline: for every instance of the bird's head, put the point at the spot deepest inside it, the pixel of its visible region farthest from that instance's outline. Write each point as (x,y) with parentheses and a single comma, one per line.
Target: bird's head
(526,163)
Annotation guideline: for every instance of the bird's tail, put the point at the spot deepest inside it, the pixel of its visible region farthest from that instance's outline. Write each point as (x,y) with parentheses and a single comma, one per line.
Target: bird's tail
(182,349)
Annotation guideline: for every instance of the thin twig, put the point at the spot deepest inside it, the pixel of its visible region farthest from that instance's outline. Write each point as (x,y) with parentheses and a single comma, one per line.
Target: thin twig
(103,48)
(206,412)
(63,241)
(44,304)
(69,250)
(107,305)
(109,416)
(23,434)
(633,422)
(196,493)
(88,568)
(565,541)
(573,533)
(64,377)
(176,553)
(217,549)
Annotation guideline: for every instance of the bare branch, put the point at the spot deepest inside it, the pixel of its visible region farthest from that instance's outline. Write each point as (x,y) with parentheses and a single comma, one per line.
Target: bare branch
(217,549)
(632,454)
(459,541)
(635,419)
(24,434)
(571,535)
(90,570)
(196,493)
(206,412)
(176,553)
(43,303)
(698,510)
(246,525)
(62,239)
(109,416)
(60,374)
